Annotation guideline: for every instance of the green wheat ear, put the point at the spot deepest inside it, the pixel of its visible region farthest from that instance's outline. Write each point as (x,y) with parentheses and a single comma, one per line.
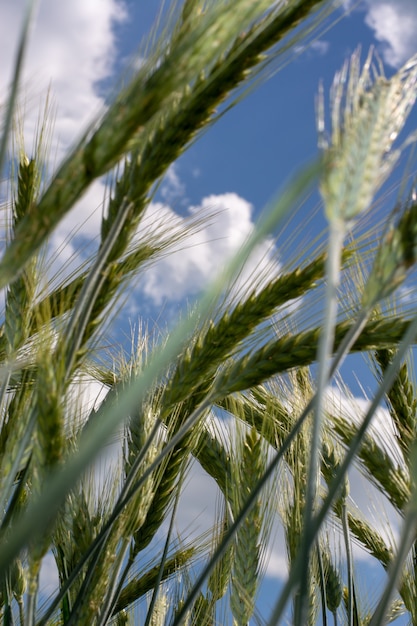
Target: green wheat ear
(333,581)
(246,560)
(396,255)
(98,539)
(368,112)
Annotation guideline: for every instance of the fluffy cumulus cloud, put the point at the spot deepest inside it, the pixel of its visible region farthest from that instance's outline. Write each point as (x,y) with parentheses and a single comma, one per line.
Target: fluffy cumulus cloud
(71,48)
(173,189)
(394,23)
(194,262)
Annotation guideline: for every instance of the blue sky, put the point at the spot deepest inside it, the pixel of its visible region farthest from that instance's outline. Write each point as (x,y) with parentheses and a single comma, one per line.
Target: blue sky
(251,151)
(78,48)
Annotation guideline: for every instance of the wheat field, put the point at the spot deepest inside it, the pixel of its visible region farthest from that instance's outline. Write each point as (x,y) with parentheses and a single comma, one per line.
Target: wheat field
(237,385)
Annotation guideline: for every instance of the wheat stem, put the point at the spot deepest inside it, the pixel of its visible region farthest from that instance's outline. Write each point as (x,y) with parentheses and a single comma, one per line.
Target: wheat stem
(163,559)
(325,348)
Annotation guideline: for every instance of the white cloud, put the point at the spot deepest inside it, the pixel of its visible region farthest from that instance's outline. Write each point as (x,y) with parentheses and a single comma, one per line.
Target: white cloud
(85,394)
(318,47)
(192,264)
(394,23)
(207,237)
(48,578)
(172,188)
(276,561)
(71,49)
(76,237)
(198,503)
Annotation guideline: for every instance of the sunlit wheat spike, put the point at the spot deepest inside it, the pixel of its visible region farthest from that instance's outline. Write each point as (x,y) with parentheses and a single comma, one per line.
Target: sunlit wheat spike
(190,9)
(391,479)
(139,585)
(407,590)
(396,610)
(20,295)
(396,255)
(293,489)
(222,337)
(361,614)
(137,433)
(214,458)
(47,451)
(28,188)
(401,401)
(163,495)
(50,409)
(87,510)
(18,584)
(299,350)
(17,421)
(331,454)
(368,113)
(90,598)
(122,619)
(169,475)
(370,539)
(76,520)
(160,611)
(219,579)
(245,576)
(202,612)
(334,587)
